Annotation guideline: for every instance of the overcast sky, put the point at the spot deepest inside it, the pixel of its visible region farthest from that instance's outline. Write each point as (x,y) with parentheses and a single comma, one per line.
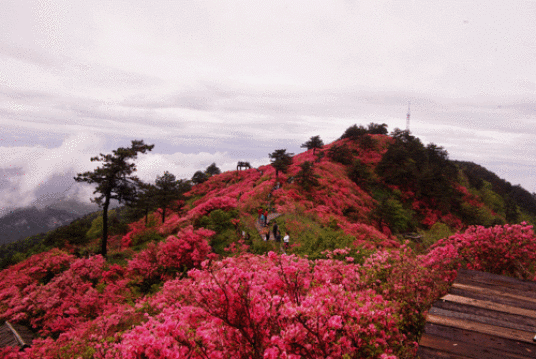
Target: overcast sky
(222,81)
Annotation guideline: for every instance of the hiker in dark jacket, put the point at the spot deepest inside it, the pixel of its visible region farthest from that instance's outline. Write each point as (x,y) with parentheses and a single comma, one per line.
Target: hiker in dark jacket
(276,228)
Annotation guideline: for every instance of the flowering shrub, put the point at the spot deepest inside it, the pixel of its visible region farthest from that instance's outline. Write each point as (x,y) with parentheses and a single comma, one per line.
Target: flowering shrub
(21,280)
(186,250)
(253,306)
(508,250)
(224,203)
(264,307)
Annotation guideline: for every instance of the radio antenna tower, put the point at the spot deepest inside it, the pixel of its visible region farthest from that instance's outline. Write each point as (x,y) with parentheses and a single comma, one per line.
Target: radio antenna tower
(407,118)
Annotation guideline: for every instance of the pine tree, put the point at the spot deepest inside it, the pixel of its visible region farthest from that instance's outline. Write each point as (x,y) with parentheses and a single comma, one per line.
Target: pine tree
(314,143)
(145,201)
(114,180)
(212,170)
(280,160)
(199,177)
(306,176)
(169,190)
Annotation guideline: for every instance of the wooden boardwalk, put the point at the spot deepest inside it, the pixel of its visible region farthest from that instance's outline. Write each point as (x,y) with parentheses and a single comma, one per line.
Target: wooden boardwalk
(15,335)
(484,316)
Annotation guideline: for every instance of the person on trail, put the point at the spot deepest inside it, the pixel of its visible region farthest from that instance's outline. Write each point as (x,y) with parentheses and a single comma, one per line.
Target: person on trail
(276,228)
(278,237)
(260,212)
(286,239)
(262,220)
(266,217)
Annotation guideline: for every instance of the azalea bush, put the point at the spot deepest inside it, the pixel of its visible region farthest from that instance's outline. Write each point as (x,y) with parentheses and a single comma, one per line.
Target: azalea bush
(508,250)
(265,307)
(161,261)
(354,303)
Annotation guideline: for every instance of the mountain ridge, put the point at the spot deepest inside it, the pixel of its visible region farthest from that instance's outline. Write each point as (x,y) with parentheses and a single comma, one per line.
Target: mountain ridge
(205,283)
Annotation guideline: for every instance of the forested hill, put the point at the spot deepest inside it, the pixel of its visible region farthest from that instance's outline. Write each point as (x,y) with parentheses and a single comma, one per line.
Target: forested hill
(479,177)
(367,185)
(378,225)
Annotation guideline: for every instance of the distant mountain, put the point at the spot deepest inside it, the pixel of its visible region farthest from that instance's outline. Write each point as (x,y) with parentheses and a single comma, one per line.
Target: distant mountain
(24,222)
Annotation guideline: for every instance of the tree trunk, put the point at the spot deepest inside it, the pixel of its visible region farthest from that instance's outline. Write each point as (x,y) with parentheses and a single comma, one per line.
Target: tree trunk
(105,226)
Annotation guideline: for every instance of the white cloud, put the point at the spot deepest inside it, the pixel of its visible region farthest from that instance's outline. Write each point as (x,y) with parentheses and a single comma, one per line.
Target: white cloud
(211,81)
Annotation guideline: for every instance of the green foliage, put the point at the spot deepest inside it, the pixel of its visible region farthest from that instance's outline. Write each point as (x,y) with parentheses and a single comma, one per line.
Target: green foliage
(377,129)
(391,212)
(140,241)
(73,233)
(511,211)
(474,215)
(518,202)
(167,191)
(523,199)
(212,170)
(394,213)
(220,222)
(15,252)
(280,160)
(435,233)
(259,246)
(114,180)
(403,161)
(314,143)
(491,199)
(312,243)
(96,229)
(354,132)
(359,173)
(367,143)
(199,177)
(476,174)
(341,154)
(426,171)
(119,257)
(306,176)
(308,237)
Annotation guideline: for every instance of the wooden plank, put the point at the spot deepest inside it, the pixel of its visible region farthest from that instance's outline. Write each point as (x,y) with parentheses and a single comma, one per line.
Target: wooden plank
(454,310)
(467,350)
(431,353)
(24,333)
(466,337)
(484,295)
(514,334)
(523,288)
(490,305)
(493,293)
(16,334)
(499,287)
(6,337)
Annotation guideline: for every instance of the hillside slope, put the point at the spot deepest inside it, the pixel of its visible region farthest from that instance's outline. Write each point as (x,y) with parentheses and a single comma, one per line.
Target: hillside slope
(205,284)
